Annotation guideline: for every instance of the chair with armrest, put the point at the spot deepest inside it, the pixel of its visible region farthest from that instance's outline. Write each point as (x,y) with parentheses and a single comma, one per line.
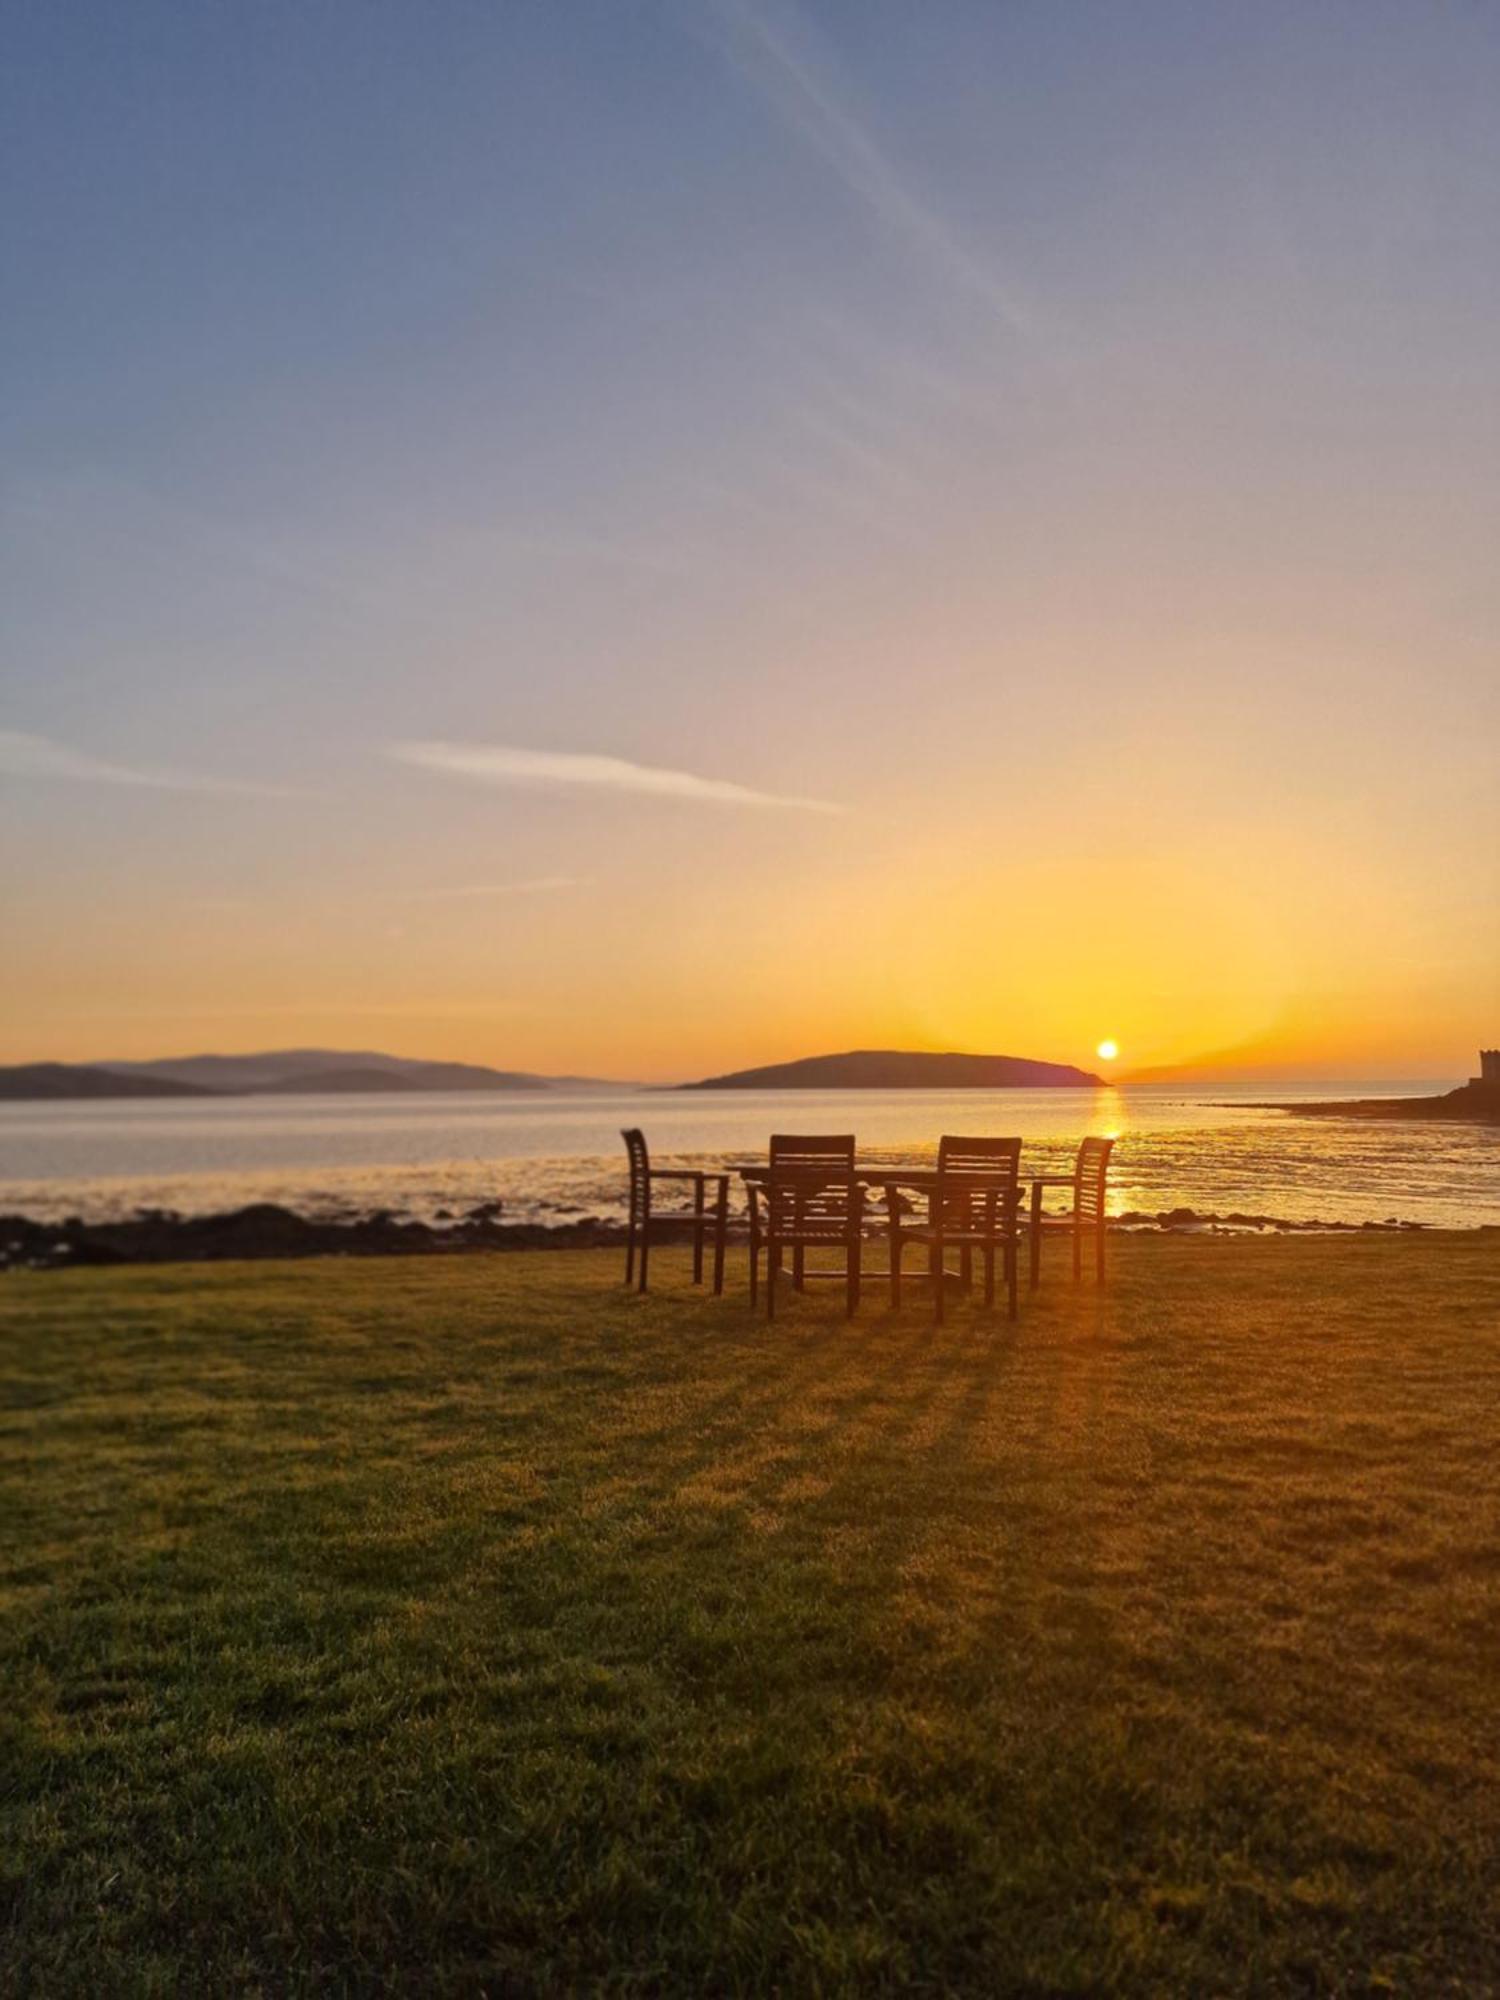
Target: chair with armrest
(810,1200)
(1087,1183)
(700,1217)
(973,1205)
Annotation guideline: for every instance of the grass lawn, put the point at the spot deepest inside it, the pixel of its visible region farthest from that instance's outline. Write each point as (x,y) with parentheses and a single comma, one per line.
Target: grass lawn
(471,1626)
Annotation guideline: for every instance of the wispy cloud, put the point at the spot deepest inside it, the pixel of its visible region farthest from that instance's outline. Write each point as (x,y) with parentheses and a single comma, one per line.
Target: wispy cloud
(538,885)
(554,770)
(23,755)
(777,57)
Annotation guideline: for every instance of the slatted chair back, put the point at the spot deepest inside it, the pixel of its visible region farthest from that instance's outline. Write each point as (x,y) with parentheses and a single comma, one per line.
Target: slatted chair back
(800,1153)
(1089,1177)
(979,1180)
(640,1172)
(810,1195)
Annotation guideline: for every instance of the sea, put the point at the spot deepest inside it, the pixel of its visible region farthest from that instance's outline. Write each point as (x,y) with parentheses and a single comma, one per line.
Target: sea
(556,1157)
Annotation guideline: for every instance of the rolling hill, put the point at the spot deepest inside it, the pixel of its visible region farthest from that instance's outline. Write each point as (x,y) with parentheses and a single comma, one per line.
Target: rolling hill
(304,1070)
(300,1072)
(23,1081)
(902,1069)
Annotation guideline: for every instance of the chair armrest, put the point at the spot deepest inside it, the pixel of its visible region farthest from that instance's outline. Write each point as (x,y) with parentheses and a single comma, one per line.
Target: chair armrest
(684,1174)
(901,1202)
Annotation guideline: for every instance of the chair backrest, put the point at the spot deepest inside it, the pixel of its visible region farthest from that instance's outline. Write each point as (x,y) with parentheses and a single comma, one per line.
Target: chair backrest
(640,1167)
(795,1152)
(1089,1176)
(811,1192)
(963,1155)
(975,1174)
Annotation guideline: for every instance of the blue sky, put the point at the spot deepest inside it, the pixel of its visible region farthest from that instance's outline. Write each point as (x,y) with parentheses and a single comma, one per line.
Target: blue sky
(943,414)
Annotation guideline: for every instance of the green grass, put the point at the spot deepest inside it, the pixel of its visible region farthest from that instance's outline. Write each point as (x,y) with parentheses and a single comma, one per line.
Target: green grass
(473,1627)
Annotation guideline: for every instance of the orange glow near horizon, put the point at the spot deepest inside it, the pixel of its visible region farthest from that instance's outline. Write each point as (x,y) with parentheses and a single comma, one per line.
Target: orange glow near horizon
(1198,966)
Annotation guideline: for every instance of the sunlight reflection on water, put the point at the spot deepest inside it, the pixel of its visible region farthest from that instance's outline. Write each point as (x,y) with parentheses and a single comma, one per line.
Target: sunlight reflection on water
(557,1158)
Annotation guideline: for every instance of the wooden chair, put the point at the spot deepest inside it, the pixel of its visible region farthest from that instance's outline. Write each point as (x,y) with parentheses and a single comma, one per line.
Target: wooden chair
(643,1177)
(810,1200)
(1087,1183)
(974,1205)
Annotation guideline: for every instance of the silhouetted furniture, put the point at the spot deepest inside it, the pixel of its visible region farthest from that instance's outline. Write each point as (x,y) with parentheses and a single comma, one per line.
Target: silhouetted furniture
(700,1217)
(1087,1183)
(810,1199)
(973,1203)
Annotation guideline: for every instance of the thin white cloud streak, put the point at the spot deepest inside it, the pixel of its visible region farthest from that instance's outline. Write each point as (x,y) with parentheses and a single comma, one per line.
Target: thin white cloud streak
(538,885)
(557,770)
(800,91)
(23,755)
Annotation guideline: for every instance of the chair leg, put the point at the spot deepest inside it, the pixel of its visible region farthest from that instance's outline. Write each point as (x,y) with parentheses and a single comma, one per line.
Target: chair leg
(1077,1249)
(799,1269)
(1035,1246)
(698,1232)
(897,1246)
(773,1268)
(630,1251)
(1099,1250)
(855,1272)
(938,1261)
(989,1275)
(645,1245)
(1013,1277)
(721,1225)
(754,1271)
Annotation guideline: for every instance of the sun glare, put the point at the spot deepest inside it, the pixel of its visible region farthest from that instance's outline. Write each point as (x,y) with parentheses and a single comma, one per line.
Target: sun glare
(1107,1051)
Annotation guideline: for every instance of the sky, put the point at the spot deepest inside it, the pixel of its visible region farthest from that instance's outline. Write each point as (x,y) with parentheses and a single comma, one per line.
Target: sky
(642,538)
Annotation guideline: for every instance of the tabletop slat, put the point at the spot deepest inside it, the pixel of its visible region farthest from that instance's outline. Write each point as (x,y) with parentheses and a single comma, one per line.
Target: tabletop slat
(887,1176)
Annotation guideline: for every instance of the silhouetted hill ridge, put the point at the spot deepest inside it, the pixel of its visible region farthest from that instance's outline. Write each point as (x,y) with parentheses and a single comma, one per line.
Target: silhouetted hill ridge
(299,1072)
(903,1069)
(29,1081)
(296,1069)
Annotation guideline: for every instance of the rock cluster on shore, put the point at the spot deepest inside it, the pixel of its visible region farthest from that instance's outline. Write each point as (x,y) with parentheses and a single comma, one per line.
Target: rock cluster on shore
(266,1230)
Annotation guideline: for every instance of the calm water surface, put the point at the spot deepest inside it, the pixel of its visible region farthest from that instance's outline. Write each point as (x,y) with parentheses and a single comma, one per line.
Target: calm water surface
(553,1158)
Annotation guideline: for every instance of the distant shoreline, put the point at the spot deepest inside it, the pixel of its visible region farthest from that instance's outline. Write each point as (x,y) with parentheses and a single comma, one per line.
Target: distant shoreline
(1470,1104)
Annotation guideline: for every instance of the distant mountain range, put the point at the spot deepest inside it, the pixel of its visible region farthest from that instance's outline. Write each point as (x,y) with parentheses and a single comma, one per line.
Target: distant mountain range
(902,1069)
(300,1072)
(346,1072)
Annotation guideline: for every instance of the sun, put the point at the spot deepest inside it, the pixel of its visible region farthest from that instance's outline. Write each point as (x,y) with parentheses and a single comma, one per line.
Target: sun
(1107,1051)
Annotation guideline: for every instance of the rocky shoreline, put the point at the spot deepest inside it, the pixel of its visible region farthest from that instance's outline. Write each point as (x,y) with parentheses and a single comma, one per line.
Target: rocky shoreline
(1474,1103)
(266,1230)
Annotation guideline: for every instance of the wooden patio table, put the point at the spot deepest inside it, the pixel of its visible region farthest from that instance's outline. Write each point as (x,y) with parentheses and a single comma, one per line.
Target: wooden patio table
(914,1179)
(920,1180)
(923,1180)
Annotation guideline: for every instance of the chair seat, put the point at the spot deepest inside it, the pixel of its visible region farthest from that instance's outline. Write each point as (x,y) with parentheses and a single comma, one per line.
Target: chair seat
(958,1232)
(839,1233)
